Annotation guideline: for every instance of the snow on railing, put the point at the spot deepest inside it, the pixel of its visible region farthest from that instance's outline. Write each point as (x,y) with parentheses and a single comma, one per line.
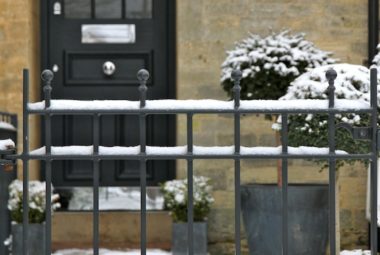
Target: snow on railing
(205,104)
(182,150)
(7,144)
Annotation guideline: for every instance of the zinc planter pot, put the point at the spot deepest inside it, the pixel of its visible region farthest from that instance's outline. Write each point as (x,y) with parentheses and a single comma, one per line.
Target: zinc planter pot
(179,238)
(307,219)
(36,239)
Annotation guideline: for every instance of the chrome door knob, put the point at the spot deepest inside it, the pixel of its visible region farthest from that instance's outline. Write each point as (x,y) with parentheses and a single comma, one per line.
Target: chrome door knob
(109,68)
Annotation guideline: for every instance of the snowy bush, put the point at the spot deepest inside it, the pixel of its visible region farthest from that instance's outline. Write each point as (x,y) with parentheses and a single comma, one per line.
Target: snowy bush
(175,198)
(352,82)
(376,59)
(270,64)
(36,201)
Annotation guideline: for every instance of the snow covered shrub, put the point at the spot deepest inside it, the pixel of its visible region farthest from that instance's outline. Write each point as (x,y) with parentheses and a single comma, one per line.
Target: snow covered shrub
(36,201)
(352,82)
(270,64)
(175,198)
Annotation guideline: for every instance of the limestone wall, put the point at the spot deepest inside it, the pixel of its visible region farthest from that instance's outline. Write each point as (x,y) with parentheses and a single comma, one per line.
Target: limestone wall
(19,48)
(205,30)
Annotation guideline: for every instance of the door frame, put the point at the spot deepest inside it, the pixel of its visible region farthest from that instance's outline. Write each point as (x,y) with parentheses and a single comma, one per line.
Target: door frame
(171,71)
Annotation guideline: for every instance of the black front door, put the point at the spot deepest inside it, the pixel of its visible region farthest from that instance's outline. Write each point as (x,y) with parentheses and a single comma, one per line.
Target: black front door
(95,48)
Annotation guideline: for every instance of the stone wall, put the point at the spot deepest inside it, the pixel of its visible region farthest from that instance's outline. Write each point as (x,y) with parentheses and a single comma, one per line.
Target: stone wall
(205,30)
(19,48)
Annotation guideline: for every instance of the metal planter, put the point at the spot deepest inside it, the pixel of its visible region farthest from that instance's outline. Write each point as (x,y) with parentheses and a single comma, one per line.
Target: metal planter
(179,238)
(307,219)
(36,239)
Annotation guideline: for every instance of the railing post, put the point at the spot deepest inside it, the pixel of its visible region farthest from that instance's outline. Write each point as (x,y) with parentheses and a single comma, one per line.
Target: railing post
(236,76)
(331,75)
(47,77)
(374,149)
(143,76)
(190,198)
(25,163)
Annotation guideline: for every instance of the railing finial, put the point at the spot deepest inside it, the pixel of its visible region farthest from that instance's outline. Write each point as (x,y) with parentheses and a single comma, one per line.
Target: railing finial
(143,76)
(47,76)
(331,75)
(236,76)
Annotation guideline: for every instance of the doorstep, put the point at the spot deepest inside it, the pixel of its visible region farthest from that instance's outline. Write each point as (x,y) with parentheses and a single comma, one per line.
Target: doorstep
(117,230)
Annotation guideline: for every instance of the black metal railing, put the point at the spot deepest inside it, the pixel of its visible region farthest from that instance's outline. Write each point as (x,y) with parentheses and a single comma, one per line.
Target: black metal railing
(236,109)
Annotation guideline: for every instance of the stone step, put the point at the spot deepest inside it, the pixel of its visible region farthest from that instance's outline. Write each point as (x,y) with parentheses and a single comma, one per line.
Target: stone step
(117,230)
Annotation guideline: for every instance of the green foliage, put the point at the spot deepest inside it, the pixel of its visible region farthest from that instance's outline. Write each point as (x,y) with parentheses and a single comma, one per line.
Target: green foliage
(314,132)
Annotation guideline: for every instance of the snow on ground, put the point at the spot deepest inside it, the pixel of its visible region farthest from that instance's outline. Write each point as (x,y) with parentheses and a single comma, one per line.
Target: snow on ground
(116,198)
(355,252)
(109,252)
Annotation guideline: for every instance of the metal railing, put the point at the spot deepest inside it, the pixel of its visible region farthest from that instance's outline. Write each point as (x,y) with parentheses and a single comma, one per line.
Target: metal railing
(142,111)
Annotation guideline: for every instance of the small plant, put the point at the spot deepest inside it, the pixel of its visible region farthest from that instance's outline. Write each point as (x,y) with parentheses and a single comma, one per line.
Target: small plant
(36,201)
(352,82)
(270,64)
(175,198)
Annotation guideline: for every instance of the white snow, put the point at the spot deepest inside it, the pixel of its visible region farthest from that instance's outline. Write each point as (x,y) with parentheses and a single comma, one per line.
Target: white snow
(110,252)
(206,104)
(116,198)
(7,144)
(352,82)
(281,53)
(181,150)
(352,86)
(86,105)
(6,126)
(355,252)
(306,104)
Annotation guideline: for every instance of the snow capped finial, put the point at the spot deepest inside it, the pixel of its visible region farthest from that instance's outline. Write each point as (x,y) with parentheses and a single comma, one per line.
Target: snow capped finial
(143,75)
(236,75)
(47,76)
(331,75)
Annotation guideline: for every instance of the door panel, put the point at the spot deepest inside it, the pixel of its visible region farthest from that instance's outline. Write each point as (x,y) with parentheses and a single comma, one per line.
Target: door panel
(97,47)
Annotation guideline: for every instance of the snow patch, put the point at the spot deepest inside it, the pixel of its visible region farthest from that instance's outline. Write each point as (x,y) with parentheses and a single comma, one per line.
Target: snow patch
(7,126)
(7,144)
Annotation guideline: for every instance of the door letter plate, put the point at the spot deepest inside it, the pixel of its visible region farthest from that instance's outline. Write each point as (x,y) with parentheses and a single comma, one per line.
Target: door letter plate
(125,33)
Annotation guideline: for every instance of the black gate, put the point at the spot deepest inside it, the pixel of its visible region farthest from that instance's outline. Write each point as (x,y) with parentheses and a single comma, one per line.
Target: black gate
(95,48)
(144,152)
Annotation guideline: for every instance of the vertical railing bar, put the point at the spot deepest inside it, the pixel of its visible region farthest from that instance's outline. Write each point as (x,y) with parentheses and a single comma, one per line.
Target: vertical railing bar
(93,11)
(236,76)
(284,142)
(25,161)
(374,184)
(47,77)
(96,174)
(143,76)
(190,200)
(331,76)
